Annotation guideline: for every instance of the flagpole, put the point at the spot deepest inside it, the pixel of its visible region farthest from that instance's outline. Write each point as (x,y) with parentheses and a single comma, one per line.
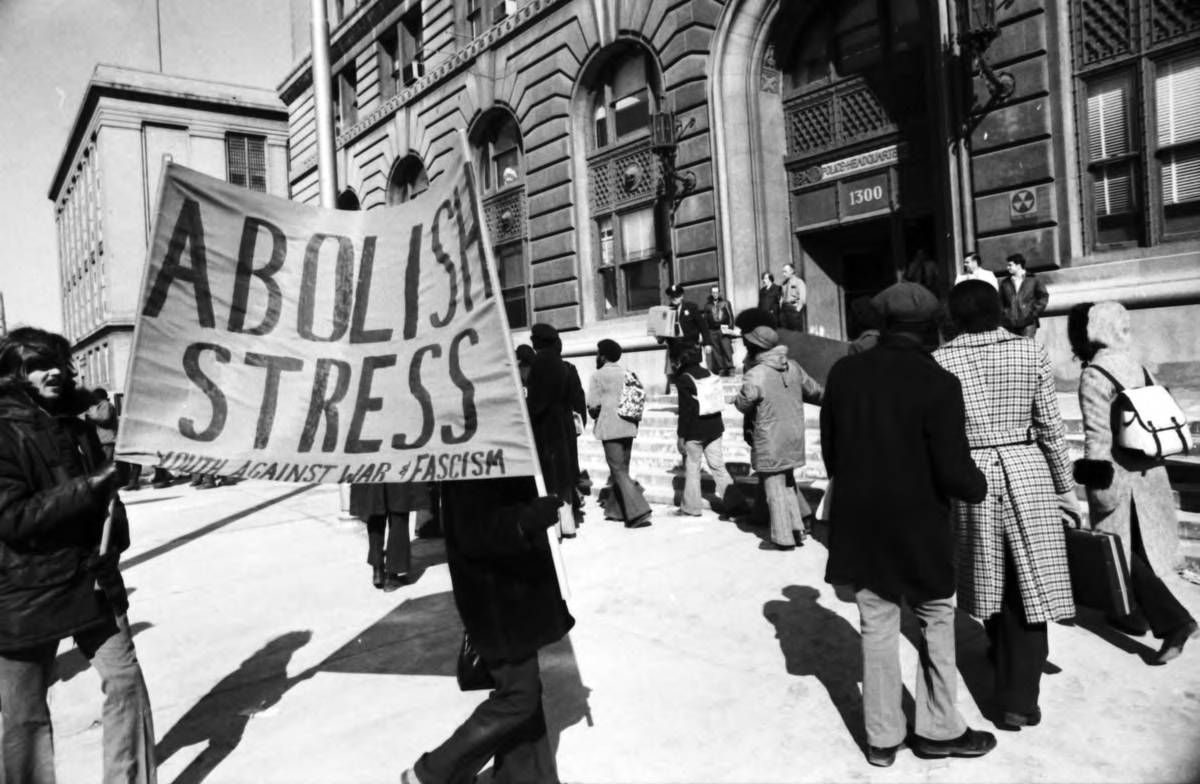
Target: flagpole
(326,162)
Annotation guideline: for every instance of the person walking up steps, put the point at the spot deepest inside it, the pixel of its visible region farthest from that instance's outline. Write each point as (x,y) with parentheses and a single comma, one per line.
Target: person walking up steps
(616,432)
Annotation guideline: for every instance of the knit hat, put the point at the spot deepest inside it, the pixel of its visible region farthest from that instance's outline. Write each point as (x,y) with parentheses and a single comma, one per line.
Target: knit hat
(609,349)
(906,302)
(763,337)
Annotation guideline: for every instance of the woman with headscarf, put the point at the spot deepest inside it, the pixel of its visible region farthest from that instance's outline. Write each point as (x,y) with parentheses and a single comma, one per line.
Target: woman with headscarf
(774,391)
(1012,556)
(1128,494)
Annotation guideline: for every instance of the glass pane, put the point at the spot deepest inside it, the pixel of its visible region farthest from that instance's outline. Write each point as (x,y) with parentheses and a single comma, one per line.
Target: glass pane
(510,263)
(1112,189)
(608,288)
(630,77)
(604,228)
(632,113)
(1108,117)
(514,307)
(508,165)
(642,284)
(1177,91)
(1181,175)
(601,125)
(637,234)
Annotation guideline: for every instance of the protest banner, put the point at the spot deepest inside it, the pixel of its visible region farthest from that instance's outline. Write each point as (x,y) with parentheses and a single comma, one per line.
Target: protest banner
(281,341)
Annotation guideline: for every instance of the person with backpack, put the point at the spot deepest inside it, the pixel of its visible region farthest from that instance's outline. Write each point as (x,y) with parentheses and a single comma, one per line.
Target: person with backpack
(701,400)
(610,399)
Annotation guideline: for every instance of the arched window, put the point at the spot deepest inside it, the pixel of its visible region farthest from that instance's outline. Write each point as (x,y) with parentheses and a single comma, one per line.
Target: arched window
(632,247)
(408,180)
(347,200)
(497,140)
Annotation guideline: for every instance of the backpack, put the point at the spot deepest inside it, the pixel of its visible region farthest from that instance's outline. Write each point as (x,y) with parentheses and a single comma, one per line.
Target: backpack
(1147,420)
(710,394)
(633,398)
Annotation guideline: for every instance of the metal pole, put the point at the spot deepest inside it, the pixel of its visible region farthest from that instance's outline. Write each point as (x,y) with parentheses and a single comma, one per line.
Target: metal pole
(158,31)
(323,97)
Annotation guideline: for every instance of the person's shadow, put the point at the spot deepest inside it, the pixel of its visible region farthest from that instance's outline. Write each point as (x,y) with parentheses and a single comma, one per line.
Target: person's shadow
(219,719)
(564,696)
(817,641)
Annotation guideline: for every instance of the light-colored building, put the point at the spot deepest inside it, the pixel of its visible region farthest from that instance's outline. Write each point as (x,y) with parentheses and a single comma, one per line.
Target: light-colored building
(628,144)
(106,187)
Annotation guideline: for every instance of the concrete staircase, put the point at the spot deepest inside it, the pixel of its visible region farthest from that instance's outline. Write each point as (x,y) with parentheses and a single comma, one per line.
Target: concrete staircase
(658,466)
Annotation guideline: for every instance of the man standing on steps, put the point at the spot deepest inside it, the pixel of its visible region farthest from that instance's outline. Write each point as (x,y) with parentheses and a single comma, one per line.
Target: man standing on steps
(1023,298)
(690,329)
(615,432)
(793,295)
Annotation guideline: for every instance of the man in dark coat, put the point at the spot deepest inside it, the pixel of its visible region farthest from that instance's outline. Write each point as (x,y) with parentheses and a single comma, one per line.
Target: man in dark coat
(552,393)
(1023,298)
(384,507)
(690,329)
(893,437)
(769,294)
(718,318)
(507,594)
(56,491)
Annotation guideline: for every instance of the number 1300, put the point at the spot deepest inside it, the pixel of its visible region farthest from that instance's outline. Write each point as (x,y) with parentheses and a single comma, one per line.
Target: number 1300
(864,195)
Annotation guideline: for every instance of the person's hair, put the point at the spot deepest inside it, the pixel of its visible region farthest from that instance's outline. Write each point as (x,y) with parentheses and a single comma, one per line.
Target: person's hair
(974,306)
(692,355)
(26,345)
(525,354)
(790,266)
(1082,346)
(100,393)
(769,276)
(973,255)
(1016,258)
(750,318)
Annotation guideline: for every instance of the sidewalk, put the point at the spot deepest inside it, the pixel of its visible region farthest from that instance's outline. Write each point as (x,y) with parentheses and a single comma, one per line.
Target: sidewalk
(696,658)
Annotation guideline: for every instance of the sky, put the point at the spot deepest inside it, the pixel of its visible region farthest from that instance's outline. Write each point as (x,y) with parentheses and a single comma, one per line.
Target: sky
(48,49)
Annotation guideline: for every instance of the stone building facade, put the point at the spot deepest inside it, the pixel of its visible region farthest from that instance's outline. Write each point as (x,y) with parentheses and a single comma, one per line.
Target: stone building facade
(628,144)
(106,187)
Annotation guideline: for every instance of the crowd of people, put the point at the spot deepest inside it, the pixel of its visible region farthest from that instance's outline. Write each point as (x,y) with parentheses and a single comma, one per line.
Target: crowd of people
(949,483)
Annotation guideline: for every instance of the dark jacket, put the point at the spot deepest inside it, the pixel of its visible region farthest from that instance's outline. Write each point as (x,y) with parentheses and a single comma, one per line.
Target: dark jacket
(690,329)
(692,426)
(894,440)
(380,498)
(550,396)
(504,582)
(1022,309)
(768,300)
(717,313)
(50,527)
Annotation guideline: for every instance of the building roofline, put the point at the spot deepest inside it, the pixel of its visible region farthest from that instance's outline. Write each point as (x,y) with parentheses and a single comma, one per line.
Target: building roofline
(165,89)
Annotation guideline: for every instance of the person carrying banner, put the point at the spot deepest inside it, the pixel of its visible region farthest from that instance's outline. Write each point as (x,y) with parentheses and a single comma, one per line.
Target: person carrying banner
(508,597)
(56,491)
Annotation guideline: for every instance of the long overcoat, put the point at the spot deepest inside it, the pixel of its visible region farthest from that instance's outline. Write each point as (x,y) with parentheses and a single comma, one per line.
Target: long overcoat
(551,397)
(1137,481)
(381,498)
(504,583)
(774,391)
(894,442)
(1018,441)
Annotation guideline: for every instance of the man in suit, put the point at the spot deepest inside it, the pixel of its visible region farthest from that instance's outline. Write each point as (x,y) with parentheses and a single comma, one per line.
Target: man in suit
(893,436)
(1023,298)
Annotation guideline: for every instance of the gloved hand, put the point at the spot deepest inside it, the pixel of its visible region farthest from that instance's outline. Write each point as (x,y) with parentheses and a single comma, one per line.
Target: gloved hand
(1068,505)
(540,514)
(104,480)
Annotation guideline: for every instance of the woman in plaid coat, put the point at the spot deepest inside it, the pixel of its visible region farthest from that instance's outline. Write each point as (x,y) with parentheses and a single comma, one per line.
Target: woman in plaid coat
(1012,558)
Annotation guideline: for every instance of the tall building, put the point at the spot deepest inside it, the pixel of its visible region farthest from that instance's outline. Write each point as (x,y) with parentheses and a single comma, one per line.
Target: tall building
(628,144)
(105,190)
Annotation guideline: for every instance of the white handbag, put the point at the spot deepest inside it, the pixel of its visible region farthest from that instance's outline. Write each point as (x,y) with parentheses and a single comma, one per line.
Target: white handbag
(1147,420)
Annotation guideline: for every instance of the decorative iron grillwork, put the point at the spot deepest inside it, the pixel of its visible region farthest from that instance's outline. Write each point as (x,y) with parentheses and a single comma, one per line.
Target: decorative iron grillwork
(628,176)
(839,115)
(1107,29)
(505,215)
(1172,18)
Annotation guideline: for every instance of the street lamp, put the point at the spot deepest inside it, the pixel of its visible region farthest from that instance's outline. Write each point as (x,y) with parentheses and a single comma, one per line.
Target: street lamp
(978,34)
(673,186)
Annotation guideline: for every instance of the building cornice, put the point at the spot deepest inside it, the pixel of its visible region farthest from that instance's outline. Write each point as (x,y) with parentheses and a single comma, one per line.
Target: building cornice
(1170,278)
(159,89)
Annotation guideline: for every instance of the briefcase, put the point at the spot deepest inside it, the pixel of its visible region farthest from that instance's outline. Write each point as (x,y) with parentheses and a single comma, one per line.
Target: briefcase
(1099,574)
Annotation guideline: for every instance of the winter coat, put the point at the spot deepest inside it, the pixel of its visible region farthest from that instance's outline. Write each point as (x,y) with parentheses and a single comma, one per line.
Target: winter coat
(768,300)
(550,397)
(1137,481)
(692,426)
(381,498)
(604,392)
(774,391)
(50,527)
(1022,309)
(1018,441)
(894,442)
(103,416)
(504,583)
(717,314)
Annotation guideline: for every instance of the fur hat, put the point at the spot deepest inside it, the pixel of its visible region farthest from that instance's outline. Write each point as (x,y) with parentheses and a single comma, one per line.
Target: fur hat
(763,337)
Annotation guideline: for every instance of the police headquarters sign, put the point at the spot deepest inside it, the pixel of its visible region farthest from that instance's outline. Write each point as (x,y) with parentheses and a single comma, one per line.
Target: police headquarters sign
(280,341)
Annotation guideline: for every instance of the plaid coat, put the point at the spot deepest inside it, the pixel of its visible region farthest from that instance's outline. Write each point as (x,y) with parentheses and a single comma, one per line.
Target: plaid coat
(1017,440)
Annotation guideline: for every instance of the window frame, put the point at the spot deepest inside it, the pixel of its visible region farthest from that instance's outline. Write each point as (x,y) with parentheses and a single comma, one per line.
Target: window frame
(603,101)
(246,139)
(521,244)
(620,264)
(402,191)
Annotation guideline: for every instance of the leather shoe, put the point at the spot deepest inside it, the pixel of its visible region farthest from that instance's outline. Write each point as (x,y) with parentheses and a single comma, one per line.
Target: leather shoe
(1173,643)
(882,757)
(1015,721)
(769,545)
(641,522)
(377,576)
(972,743)
(394,581)
(1133,624)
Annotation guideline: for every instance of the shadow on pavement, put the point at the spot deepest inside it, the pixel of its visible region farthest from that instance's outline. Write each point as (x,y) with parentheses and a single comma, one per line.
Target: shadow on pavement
(1095,623)
(71,662)
(219,719)
(817,641)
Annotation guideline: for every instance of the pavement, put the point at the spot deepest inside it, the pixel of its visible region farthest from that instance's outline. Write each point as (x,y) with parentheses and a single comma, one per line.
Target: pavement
(696,657)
